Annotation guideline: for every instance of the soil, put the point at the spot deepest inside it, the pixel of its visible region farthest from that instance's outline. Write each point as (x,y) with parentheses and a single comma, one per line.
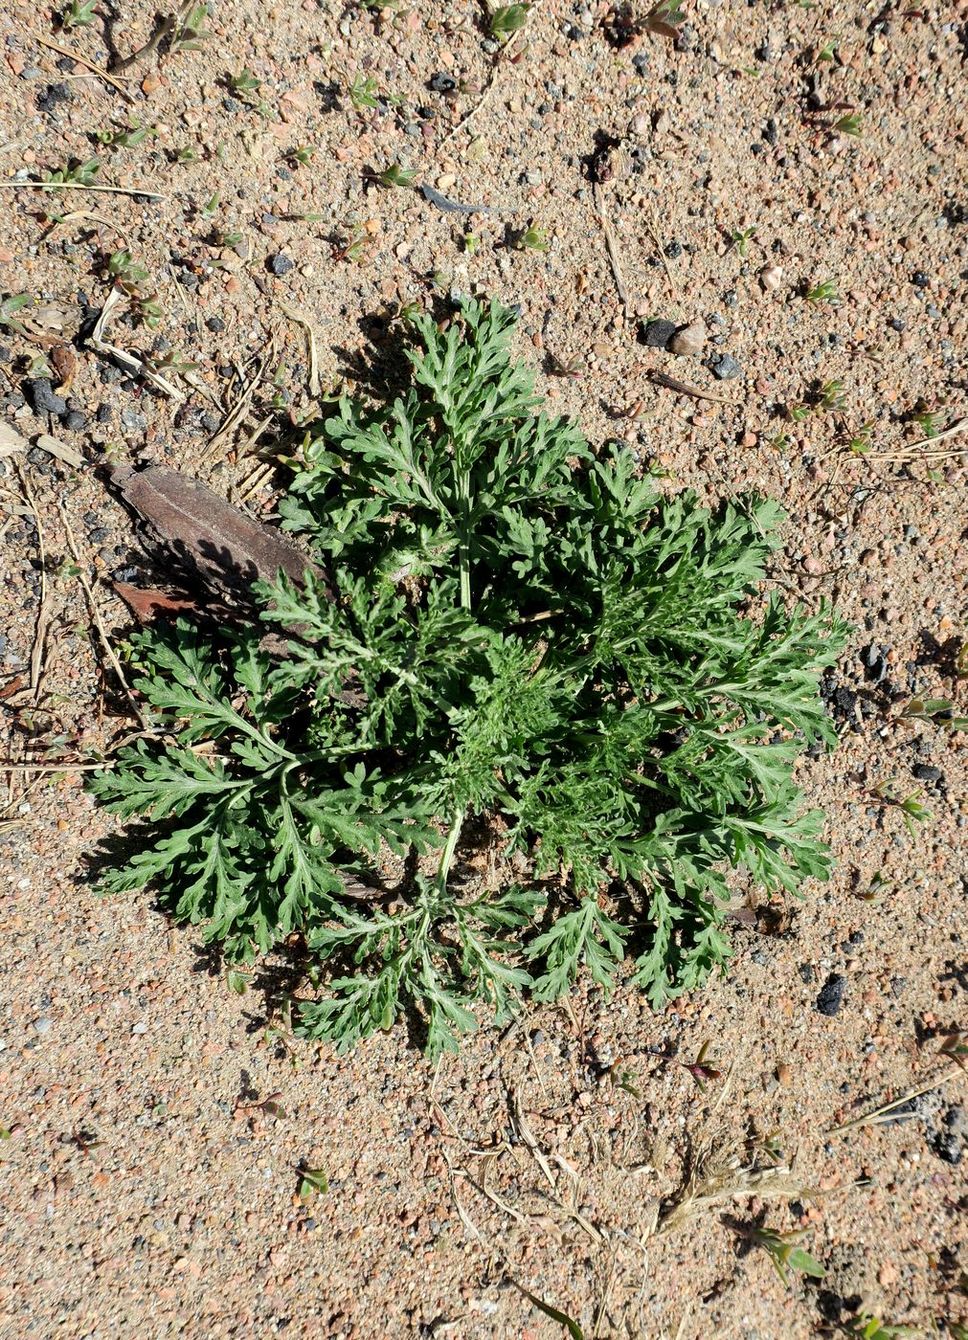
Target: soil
(154,1121)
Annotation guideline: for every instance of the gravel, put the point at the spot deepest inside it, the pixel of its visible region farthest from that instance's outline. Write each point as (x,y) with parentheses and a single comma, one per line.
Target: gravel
(831,995)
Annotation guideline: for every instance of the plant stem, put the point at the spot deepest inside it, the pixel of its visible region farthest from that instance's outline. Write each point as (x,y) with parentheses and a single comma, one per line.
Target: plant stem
(447,856)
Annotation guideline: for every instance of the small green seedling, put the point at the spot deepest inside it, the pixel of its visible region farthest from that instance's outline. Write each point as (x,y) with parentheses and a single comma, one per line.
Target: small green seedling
(831,396)
(509,19)
(828,52)
(187,154)
(191,32)
(237,981)
(471,242)
(355,249)
(312,1182)
(363,91)
(939,710)
(395,175)
(244,83)
(867,1327)
(78,14)
(75,174)
(826,291)
(849,125)
(128,138)
(131,278)
(9,306)
(303,154)
(532,238)
(861,443)
(912,811)
(956,1047)
(927,421)
(699,1070)
(786,1255)
(741,239)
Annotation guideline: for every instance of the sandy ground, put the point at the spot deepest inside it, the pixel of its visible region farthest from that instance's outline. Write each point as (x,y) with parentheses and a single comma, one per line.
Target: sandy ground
(154,1122)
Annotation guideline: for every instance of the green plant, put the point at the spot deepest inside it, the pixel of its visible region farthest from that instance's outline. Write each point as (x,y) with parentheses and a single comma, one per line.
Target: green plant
(785,1254)
(363,91)
(927,421)
(312,1182)
(861,442)
(849,125)
(395,175)
(191,33)
(867,1327)
(524,646)
(828,52)
(128,138)
(75,173)
(531,238)
(508,19)
(9,306)
(912,811)
(741,238)
(825,291)
(78,14)
(131,279)
(939,710)
(302,154)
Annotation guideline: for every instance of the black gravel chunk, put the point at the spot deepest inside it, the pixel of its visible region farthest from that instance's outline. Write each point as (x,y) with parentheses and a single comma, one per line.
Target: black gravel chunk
(43,399)
(725,368)
(657,334)
(441,83)
(831,995)
(280,264)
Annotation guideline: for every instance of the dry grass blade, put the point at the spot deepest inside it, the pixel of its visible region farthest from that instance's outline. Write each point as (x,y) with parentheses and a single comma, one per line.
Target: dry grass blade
(611,247)
(306,324)
(81,186)
(716,1179)
(130,361)
(881,1115)
(11,441)
(237,413)
(99,625)
(502,56)
(9,765)
(684,388)
(88,64)
(527,1137)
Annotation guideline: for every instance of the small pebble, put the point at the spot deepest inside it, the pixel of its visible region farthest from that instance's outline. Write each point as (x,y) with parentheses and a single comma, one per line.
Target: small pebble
(689,340)
(75,421)
(441,83)
(280,264)
(771,277)
(724,367)
(831,995)
(42,1026)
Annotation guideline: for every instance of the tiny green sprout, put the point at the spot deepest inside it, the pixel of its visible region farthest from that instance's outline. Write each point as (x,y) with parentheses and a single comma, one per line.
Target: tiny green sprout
(312,1182)
(354,249)
(799,412)
(956,1046)
(187,154)
(741,238)
(665,18)
(867,1327)
(210,208)
(624,1079)
(928,423)
(237,982)
(828,51)
(785,1254)
(699,1069)
(302,154)
(15,302)
(363,91)
(129,138)
(78,14)
(849,125)
(860,444)
(245,82)
(122,268)
(532,238)
(471,242)
(825,291)
(75,174)
(395,175)
(779,443)
(509,19)
(831,395)
(939,710)
(912,811)
(876,891)
(6,1133)
(191,32)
